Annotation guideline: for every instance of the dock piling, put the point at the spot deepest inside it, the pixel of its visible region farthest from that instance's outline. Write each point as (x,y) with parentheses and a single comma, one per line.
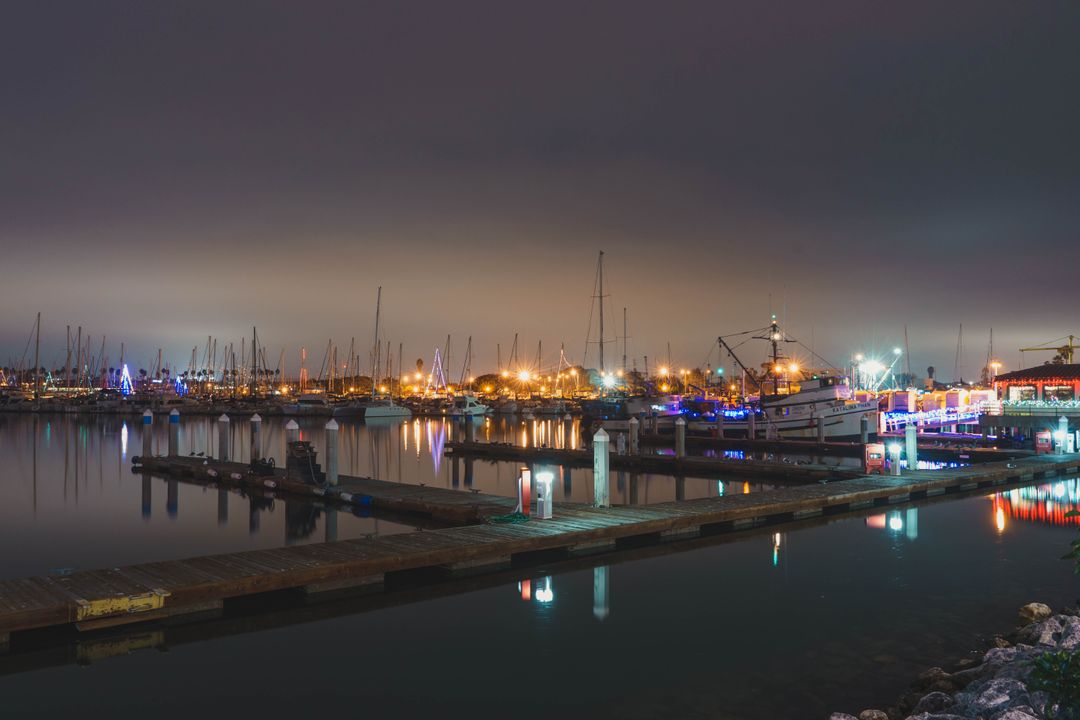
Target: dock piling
(601,463)
(292,433)
(751,426)
(332,452)
(680,437)
(174,432)
(256,437)
(223,435)
(147,433)
(864,430)
(1062,433)
(911,440)
(821,429)
(635,435)
(720,423)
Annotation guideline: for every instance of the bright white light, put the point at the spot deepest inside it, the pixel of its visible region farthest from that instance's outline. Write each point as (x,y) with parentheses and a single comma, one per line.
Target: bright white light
(871,367)
(896,523)
(896,351)
(895,449)
(523,376)
(609,382)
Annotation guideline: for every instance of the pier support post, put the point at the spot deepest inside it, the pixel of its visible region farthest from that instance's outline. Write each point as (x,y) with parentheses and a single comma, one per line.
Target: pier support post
(256,437)
(470,430)
(864,430)
(224,433)
(332,452)
(635,435)
(174,432)
(911,440)
(720,423)
(680,437)
(821,429)
(751,425)
(601,463)
(292,434)
(1062,434)
(147,434)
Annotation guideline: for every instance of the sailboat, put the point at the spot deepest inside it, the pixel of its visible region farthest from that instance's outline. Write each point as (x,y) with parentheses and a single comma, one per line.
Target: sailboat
(375,407)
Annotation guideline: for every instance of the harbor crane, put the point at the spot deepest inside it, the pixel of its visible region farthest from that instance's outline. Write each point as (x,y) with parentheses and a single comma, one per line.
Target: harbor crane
(1065,352)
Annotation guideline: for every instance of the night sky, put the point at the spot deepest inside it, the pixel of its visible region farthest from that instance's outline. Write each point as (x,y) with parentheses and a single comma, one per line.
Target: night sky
(172,170)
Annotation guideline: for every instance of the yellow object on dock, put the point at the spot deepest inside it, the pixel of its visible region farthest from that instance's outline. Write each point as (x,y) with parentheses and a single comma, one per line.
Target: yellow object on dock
(120,605)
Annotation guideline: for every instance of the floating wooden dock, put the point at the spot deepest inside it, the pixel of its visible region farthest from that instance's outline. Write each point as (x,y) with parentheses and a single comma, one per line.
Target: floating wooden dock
(449,506)
(690,466)
(98,599)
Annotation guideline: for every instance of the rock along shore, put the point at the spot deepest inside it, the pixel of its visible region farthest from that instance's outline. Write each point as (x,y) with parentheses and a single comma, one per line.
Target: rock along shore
(995,688)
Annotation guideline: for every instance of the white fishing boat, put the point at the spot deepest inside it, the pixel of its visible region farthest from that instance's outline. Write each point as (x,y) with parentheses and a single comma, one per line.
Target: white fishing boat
(466,405)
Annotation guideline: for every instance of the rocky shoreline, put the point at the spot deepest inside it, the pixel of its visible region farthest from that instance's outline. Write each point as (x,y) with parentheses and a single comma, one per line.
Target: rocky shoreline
(995,688)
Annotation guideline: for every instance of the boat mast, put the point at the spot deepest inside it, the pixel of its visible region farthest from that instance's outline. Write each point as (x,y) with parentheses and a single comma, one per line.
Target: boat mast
(624,341)
(37,360)
(600,271)
(254,362)
(378,310)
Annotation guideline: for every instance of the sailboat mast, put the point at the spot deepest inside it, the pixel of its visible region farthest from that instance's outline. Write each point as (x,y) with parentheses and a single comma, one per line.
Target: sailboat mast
(600,271)
(378,311)
(624,340)
(37,359)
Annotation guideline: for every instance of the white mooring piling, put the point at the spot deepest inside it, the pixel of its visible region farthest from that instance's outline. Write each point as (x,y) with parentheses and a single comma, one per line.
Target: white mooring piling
(680,437)
(256,437)
(911,442)
(224,432)
(292,433)
(751,425)
(635,435)
(332,452)
(864,430)
(147,434)
(174,433)
(1062,434)
(601,463)
(821,429)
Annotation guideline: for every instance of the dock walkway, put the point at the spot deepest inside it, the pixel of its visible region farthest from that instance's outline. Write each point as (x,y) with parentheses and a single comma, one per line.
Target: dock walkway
(103,598)
(451,506)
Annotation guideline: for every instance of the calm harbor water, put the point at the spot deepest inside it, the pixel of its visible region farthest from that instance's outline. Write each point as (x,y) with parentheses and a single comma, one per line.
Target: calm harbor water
(69,499)
(831,616)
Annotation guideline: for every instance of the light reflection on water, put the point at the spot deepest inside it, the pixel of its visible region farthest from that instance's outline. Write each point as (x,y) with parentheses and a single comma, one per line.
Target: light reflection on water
(69,499)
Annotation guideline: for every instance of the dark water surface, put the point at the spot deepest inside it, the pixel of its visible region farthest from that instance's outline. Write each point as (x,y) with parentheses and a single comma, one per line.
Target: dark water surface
(836,616)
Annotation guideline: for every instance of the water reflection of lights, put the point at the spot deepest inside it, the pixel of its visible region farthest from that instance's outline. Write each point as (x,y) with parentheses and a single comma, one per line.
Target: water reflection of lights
(123,440)
(720,488)
(897,521)
(1047,504)
(544,593)
(777,538)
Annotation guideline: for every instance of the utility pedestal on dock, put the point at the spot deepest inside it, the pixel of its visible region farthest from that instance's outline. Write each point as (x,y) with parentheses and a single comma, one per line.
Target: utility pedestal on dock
(601,462)
(224,426)
(332,452)
(174,433)
(147,433)
(680,437)
(911,440)
(256,437)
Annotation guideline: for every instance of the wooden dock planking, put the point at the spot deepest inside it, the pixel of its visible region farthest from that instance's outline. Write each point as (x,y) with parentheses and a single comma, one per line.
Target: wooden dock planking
(447,506)
(196,584)
(693,466)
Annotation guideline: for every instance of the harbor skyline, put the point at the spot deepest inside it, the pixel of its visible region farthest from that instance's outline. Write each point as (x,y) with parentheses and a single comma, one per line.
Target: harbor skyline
(177,172)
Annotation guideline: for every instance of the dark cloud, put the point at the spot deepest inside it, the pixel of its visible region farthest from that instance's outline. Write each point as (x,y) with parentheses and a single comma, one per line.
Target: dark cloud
(172,170)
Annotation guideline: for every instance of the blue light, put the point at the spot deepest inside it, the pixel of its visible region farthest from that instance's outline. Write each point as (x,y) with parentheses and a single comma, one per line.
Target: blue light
(125,382)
